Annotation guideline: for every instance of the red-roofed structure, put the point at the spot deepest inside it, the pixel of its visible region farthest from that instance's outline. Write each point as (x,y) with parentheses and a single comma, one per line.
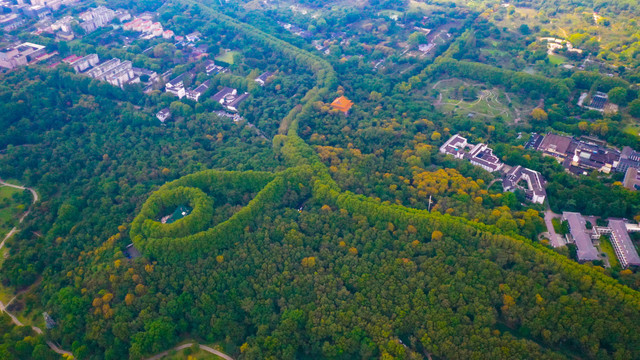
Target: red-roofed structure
(342,104)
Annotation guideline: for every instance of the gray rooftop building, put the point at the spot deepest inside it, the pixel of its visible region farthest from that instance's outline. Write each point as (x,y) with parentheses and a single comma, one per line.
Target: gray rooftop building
(535,190)
(622,244)
(578,231)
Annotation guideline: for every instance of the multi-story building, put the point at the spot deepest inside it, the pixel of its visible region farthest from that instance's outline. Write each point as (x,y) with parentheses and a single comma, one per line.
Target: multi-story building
(96,18)
(535,190)
(629,158)
(163,115)
(229,98)
(11,22)
(37,11)
(579,156)
(81,64)
(20,55)
(196,93)
(211,67)
(479,155)
(176,86)
(114,71)
(578,234)
(146,26)
(622,244)
(482,155)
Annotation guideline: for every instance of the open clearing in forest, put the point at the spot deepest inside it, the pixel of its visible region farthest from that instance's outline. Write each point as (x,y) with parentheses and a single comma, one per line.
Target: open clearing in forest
(489,102)
(227,57)
(557,59)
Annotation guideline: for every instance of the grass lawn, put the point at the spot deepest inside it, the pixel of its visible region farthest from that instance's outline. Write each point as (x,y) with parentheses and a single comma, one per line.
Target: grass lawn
(6,294)
(556,59)
(227,57)
(607,248)
(8,208)
(633,130)
(7,192)
(487,105)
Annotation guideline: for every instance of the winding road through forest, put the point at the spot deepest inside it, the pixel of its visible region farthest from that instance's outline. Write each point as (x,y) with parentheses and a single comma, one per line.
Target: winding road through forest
(3,307)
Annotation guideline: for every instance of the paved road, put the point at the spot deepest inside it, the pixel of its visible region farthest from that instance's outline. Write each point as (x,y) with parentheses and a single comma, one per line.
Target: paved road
(556,240)
(184,346)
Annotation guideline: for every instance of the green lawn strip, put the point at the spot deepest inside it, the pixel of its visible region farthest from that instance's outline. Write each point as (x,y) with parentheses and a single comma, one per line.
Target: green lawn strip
(607,248)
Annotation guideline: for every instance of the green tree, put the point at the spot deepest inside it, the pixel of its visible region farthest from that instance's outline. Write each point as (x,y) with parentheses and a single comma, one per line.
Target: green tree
(618,95)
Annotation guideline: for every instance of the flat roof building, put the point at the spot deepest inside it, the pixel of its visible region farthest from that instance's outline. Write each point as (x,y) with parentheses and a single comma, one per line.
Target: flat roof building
(628,158)
(579,235)
(20,55)
(114,71)
(631,179)
(81,64)
(556,145)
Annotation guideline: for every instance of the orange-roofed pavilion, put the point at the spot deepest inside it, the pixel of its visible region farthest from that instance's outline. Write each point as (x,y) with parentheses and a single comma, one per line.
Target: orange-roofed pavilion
(342,103)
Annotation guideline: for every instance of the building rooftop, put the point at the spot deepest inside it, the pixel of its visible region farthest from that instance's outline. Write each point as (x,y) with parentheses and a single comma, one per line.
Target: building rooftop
(454,146)
(238,100)
(483,156)
(535,182)
(263,77)
(177,80)
(631,179)
(556,144)
(622,244)
(225,91)
(534,141)
(203,87)
(342,103)
(578,230)
(598,102)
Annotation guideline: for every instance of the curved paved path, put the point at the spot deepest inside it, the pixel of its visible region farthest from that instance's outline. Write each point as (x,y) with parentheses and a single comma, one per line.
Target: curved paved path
(35,199)
(3,307)
(184,346)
